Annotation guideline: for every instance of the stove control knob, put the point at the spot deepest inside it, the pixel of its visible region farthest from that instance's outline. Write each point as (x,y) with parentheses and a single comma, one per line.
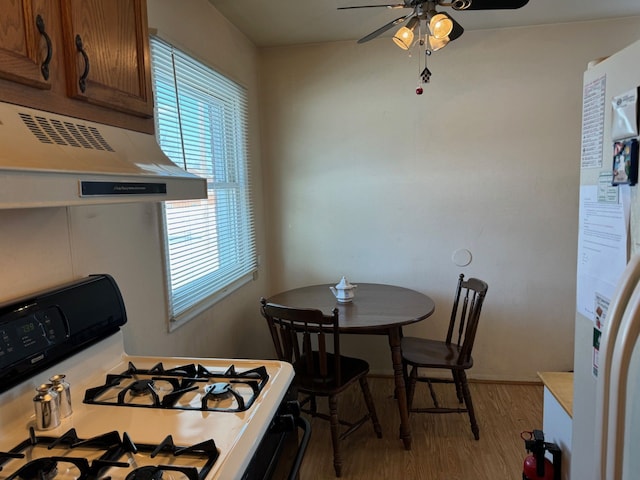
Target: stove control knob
(292,407)
(284,423)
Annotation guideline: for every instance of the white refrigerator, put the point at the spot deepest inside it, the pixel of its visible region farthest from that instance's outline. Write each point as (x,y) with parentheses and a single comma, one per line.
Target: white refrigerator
(606,402)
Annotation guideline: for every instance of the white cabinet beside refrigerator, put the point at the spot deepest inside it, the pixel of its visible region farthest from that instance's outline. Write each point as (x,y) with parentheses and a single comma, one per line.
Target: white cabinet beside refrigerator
(557,415)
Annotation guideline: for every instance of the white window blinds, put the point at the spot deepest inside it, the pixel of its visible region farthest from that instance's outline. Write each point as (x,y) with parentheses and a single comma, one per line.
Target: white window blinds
(201,124)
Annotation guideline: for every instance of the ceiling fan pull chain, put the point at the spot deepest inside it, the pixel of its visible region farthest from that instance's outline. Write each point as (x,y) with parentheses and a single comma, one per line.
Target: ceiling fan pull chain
(428,50)
(419,88)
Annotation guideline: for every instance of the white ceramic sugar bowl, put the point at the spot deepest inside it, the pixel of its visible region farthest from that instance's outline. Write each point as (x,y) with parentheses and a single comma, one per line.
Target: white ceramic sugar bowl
(344,291)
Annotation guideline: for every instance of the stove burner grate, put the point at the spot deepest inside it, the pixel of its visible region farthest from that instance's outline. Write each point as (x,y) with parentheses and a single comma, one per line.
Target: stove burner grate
(137,383)
(111,451)
(42,468)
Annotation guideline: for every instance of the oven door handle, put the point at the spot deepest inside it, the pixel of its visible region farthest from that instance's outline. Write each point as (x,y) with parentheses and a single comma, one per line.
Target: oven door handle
(304,425)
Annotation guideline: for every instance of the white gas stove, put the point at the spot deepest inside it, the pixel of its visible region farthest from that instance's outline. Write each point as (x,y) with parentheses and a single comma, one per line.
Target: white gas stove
(133,418)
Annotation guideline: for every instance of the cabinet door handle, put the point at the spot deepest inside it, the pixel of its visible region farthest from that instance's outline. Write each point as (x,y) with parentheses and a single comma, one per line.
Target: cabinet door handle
(83,78)
(44,67)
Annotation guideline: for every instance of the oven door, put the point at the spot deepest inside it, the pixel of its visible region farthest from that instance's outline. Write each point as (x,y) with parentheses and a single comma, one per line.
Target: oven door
(280,453)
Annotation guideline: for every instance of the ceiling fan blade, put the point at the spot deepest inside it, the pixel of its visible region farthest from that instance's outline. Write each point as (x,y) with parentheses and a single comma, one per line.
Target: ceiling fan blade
(399,5)
(496,4)
(384,28)
(457,30)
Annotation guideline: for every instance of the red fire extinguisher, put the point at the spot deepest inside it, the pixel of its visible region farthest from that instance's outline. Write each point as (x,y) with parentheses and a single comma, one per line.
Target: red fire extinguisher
(536,465)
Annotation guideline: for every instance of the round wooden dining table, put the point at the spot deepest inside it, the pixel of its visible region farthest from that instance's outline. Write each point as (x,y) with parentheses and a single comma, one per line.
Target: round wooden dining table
(377,309)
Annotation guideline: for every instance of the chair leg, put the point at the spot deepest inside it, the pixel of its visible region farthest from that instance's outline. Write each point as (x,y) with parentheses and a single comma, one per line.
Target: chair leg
(405,374)
(456,381)
(368,399)
(411,386)
(333,413)
(467,400)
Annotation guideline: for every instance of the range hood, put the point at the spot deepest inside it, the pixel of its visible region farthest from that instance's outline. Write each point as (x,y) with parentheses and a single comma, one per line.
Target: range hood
(49,160)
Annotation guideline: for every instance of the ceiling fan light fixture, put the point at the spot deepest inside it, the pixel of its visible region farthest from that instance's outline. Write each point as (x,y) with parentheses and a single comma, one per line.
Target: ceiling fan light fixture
(440,24)
(436,44)
(404,36)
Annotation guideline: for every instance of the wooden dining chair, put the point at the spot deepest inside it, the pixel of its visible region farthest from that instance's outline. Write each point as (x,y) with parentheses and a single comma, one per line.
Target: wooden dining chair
(301,337)
(454,353)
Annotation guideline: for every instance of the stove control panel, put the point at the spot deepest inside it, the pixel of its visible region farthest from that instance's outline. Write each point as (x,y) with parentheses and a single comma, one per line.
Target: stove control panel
(40,330)
(30,334)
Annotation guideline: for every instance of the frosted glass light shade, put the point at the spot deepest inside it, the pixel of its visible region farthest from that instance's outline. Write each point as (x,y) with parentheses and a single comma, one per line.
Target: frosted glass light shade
(440,25)
(437,43)
(403,38)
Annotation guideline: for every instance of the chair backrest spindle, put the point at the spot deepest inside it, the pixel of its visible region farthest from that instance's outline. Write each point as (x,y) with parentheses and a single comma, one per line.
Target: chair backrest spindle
(454,309)
(465,315)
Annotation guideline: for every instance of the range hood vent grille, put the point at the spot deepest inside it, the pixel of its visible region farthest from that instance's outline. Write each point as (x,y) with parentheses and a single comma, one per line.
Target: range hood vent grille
(51,130)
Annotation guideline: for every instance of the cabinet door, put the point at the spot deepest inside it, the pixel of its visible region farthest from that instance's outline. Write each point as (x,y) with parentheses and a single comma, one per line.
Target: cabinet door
(25,44)
(106,49)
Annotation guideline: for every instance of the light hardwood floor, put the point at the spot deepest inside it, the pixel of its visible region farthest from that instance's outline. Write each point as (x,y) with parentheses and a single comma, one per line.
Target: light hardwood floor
(443,445)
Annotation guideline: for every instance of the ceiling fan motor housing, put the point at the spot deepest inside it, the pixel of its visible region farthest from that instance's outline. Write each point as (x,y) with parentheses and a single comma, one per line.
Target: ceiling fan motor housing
(461,4)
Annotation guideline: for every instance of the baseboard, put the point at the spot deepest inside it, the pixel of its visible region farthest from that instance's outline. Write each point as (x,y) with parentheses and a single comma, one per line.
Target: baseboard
(494,381)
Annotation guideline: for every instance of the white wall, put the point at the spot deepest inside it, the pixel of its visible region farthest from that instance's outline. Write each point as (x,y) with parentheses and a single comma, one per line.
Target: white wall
(368,180)
(40,248)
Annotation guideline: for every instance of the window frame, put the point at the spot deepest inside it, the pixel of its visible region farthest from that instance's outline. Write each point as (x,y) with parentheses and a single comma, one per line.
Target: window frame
(247,231)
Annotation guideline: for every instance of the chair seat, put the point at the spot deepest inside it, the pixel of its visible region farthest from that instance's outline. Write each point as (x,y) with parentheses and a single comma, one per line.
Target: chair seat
(351,369)
(428,353)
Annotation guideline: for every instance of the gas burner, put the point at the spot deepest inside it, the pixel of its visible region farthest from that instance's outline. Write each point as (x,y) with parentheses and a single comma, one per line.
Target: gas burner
(141,387)
(218,389)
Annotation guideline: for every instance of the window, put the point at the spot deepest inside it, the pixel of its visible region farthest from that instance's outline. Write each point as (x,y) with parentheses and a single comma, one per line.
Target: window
(201,125)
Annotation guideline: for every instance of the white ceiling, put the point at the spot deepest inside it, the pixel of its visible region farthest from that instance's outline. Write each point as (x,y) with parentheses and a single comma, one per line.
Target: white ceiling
(289,22)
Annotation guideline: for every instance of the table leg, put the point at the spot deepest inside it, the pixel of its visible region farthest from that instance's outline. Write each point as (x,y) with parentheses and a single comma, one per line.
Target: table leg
(400,392)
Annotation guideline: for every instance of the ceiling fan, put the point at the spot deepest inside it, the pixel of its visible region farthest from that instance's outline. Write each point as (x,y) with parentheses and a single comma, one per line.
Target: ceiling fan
(440,27)
(426,10)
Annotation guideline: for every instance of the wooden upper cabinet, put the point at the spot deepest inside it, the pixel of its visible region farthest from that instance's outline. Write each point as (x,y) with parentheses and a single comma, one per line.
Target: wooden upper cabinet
(113,61)
(106,51)
(26,48)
